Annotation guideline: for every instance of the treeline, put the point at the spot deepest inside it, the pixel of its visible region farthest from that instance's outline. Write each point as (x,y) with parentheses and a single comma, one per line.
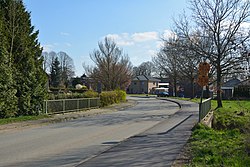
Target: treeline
(59,67)
(22,78)
(214,32)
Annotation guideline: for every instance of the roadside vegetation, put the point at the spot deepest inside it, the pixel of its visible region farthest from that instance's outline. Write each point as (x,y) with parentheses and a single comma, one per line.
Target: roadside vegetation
(22,118)
(71,95)
(106,98)
(227,143)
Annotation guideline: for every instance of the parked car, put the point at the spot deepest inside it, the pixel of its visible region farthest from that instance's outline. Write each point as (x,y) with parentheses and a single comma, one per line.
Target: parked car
(161,92)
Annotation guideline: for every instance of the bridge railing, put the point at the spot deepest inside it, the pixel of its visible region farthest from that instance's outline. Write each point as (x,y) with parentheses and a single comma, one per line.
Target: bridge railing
(69,105)
(204,108)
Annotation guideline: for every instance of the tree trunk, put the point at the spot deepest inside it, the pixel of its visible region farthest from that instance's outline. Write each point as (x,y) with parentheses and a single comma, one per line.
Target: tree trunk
(192,85)
(219,96)
(175,87)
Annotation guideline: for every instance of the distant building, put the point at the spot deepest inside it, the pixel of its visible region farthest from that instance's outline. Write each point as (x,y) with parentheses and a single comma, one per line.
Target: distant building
(143,84)
(228,88)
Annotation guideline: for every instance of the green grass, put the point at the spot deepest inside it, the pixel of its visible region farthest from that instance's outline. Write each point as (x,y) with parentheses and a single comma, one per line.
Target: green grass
(21,119)
(233,115)
(218,148)
(228,142)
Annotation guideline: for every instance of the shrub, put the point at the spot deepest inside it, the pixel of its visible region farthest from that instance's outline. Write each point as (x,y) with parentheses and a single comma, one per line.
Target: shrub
(111,97)
(107,98)
(121,95)
(90,94)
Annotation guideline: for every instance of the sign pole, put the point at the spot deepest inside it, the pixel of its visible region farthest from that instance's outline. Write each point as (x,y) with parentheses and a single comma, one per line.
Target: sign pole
(200,104)
(203,79)
(201,94)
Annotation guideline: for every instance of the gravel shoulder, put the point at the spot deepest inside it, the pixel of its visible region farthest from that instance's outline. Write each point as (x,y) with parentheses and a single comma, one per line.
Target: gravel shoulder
(67,116)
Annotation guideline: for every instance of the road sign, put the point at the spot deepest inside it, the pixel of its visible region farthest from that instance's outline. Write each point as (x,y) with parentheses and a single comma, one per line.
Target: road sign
(203,79)
(204,68)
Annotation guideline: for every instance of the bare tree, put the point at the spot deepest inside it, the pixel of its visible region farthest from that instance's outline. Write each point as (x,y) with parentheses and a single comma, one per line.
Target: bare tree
(145,68)
(65,63)
(220,23)
(188,61)
(113,69)
(67,67)
(166,61)
(48,59)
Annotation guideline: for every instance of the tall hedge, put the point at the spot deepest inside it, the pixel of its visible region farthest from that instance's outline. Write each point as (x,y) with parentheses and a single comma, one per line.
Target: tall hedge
(242,91)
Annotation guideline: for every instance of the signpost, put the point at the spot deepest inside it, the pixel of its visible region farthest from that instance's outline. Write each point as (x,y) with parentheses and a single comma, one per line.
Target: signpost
(203,74)
(203,79)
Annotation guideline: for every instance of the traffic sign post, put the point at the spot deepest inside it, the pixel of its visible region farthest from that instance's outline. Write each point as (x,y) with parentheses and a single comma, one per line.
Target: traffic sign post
(203,74)
(203,79)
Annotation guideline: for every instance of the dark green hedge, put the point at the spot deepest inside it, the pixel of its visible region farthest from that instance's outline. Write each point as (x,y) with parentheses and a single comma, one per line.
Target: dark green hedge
(242,91)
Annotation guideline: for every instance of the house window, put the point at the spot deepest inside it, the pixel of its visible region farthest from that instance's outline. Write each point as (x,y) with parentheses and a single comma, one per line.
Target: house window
(134,83)
(156,83)
(153,83)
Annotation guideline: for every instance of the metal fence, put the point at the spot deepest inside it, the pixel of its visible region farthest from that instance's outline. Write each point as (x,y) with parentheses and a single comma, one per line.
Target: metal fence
(204,108)
(69,105)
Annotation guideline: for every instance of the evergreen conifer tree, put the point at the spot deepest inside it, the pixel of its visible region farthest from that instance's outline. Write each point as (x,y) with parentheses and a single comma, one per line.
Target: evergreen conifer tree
(8,100)
(24,55)
(55,73)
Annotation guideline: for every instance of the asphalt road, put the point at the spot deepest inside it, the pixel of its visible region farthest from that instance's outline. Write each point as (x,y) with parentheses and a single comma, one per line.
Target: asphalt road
(72,142)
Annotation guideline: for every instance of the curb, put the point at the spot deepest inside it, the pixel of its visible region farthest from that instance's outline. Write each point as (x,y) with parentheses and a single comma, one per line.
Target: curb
(63,117)
(171,100)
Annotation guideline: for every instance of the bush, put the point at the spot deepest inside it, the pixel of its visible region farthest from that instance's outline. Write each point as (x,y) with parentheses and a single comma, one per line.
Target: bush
(90,94)
(111,97)
(121,95)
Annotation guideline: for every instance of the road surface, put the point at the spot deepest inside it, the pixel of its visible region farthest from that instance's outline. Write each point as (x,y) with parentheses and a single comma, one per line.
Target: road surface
(72,142)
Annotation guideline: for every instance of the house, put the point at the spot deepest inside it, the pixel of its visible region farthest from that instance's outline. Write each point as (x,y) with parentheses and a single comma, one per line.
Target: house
(143,84)
(228,88)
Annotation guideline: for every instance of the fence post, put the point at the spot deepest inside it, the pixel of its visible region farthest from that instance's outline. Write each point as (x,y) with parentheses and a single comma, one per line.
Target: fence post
(77,105)
(88,102)
(63,105)
(46,109)
(200,104)
(45,106)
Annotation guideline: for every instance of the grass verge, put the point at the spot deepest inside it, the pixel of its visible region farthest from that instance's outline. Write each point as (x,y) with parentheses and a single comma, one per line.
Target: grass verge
(228,142)
(21,119)
(218,148)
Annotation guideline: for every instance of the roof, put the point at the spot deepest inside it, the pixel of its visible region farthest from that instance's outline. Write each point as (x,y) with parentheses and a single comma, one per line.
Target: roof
(245,82)
(231,83)
(164,80)
(145,78)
